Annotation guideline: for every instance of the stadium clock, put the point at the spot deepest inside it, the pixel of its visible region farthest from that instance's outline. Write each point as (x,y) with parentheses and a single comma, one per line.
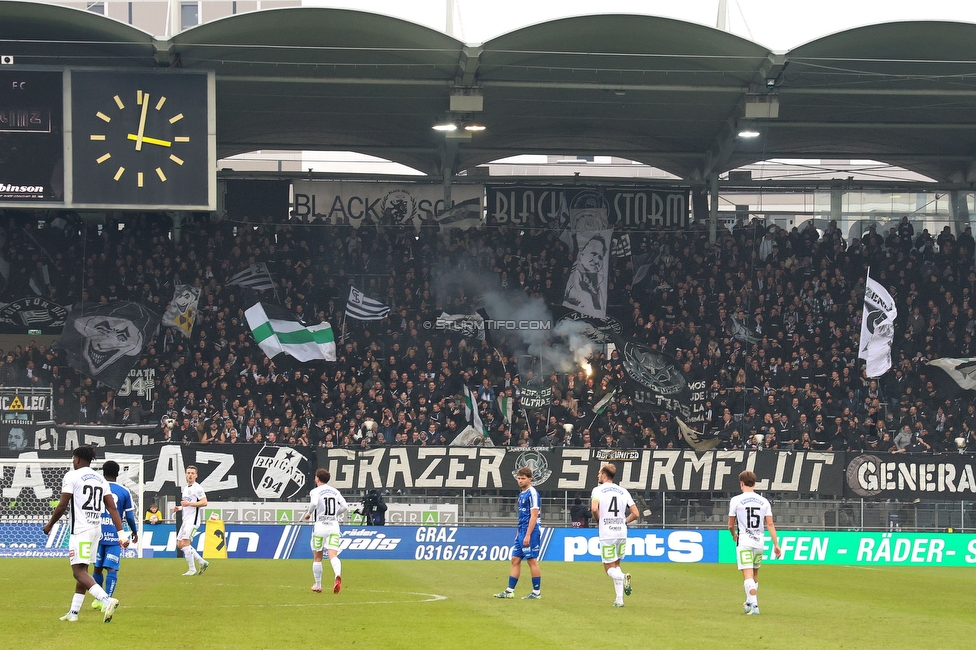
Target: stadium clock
(141,139)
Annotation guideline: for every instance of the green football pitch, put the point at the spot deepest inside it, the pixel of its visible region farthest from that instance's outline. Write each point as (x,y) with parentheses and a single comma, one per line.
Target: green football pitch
(432,605)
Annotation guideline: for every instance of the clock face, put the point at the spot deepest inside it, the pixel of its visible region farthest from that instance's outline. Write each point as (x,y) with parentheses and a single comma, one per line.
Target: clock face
(140,139)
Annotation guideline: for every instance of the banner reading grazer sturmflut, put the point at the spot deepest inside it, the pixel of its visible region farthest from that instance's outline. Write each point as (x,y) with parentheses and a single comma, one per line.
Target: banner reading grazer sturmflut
(387,204)
(628,208)
(576,469)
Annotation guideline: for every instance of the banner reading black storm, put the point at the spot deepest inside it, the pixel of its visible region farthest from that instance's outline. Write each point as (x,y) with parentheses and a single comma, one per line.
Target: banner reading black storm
(627,208)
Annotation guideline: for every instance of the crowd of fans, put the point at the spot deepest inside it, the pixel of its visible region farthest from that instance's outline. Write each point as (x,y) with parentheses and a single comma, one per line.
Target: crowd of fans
(768,318)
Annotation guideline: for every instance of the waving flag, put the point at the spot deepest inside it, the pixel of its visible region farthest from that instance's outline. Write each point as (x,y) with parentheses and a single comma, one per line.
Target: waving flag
(278,332)
(182,310)
(362,308)
(877,329)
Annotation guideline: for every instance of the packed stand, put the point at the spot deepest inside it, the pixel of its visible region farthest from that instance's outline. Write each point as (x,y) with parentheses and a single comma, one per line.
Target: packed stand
(768,318)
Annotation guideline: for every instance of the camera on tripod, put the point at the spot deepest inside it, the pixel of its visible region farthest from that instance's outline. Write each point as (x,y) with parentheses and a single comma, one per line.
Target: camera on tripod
(372,510)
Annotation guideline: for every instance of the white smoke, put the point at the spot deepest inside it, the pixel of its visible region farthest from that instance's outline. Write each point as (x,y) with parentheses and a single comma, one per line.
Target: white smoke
(561,347)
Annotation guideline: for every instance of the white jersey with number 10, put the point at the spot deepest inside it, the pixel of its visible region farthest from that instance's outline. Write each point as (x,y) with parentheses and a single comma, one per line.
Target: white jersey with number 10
(328,505)
(750,511)
(615,503)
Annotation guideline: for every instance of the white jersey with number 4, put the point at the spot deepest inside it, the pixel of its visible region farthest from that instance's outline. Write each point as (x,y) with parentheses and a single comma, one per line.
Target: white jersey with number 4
(615,503)
(750,511)
(328,505)
(87,489)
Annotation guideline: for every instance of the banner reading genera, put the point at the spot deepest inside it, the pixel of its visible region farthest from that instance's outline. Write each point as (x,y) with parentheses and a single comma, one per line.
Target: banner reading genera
(387,204)
(910,476)
(628,208)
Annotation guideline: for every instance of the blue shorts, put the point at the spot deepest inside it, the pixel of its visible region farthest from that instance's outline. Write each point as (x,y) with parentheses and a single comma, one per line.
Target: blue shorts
(532,551)
(108,555)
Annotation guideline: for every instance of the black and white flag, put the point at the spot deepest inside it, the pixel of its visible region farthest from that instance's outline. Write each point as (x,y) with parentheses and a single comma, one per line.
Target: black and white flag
(469,325)
(951,376)
(104,341)
(362,308)
(620,246)
(257,276)
(877,329)
(586,288)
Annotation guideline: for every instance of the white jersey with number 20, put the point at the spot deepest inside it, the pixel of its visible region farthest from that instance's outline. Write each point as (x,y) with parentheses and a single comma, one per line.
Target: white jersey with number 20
(750,511)
(615,502)
(87,489)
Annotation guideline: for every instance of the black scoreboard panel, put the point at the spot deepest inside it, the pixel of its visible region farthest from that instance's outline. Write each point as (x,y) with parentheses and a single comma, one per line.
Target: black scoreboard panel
(31,137)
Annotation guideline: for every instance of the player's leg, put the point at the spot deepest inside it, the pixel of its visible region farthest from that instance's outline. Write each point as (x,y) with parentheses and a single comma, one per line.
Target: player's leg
(611,551)
(757,558)
(332,546)
(536,572)
(749,585)
(516,572)
(317,544)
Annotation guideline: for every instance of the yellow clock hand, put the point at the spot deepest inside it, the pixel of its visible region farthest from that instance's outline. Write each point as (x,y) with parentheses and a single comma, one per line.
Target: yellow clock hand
(142,121)
(148,140)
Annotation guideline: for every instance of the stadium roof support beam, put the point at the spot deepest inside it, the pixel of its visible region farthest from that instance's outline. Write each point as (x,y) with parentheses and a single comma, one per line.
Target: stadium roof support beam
(468,65)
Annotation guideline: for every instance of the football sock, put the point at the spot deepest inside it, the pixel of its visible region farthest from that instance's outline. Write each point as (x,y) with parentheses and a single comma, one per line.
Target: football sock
(111,580)
(188,554)
(98,578)
(512,581)
(97,592)
(537,584)
(336,566)
(196,556)
(755,599)
(76,602)
(317,573)
(750,585)
(618,581)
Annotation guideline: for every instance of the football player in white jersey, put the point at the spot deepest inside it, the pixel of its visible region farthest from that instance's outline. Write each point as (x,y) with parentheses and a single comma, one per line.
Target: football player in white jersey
(613,508)
(748,512)
(328,505)
(88,494)
(192,501)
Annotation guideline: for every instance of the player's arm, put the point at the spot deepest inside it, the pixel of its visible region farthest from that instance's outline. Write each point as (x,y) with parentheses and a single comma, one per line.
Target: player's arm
(58,512)
(130,518)
(634,513)
(341,505)
(733,529)
(772,535)
(199,503)
(533,520)
(595,509)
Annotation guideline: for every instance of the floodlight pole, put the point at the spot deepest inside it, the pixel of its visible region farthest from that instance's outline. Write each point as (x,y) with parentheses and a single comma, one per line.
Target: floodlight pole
(713,210)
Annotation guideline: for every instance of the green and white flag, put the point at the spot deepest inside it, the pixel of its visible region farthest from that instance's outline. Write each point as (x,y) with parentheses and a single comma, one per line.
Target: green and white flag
(471,411)
(602,405)
(278,331)
(505,406)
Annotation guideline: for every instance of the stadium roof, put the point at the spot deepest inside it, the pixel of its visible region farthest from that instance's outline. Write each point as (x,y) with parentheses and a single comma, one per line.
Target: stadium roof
(663,92)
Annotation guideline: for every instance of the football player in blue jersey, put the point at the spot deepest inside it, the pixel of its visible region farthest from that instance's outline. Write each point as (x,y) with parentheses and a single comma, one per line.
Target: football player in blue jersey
(109,552)
(527,540)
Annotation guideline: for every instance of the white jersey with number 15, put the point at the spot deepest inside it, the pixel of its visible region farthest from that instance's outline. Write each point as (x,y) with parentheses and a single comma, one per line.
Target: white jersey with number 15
(750,511)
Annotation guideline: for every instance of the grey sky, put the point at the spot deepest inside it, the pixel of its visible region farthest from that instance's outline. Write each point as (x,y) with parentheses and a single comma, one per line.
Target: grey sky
(777,24)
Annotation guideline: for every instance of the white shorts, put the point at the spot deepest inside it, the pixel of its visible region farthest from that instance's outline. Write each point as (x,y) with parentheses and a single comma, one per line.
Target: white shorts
(325,538)
(748,558)
(82,546)
(613,550)
(187,530)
